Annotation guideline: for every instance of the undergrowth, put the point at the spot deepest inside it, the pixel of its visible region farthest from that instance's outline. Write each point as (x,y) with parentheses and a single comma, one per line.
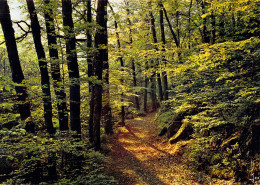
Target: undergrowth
(221,83)
(62,159)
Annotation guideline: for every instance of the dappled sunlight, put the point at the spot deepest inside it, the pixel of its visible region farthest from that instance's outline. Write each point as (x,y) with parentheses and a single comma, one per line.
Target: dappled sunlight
(140,157)
(139,119)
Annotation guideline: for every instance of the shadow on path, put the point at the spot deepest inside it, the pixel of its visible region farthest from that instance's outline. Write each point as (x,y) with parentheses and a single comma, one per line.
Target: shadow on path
(132,167)
(138,157)
(147,143)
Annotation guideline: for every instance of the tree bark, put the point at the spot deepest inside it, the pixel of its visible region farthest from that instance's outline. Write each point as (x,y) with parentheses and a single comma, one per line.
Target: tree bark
(178,26)
(145,88)
(122,66)
(17,73)
(106,94)
(100,57)
(159,81)
(205,35)
(189,25)
(45,79)
(90,70)
(221,26)
(153,88)
(171,29)
(89,43)
(213,31)
(55,67)
(137,105)
(164,74)
(72,66)
(107,112)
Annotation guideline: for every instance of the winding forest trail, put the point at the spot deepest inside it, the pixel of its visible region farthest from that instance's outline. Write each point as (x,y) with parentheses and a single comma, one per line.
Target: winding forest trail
(138,156)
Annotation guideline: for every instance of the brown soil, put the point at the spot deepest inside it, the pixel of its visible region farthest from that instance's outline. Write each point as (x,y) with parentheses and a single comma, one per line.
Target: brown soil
(139,156)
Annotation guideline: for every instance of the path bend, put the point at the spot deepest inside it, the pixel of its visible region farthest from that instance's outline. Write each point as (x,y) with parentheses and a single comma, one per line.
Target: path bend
(139,157)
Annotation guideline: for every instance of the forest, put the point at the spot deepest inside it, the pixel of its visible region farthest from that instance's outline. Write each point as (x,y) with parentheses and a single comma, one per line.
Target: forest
(156,92)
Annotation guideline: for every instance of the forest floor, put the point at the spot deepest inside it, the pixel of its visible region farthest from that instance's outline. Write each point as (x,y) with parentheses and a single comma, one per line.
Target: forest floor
(139,156)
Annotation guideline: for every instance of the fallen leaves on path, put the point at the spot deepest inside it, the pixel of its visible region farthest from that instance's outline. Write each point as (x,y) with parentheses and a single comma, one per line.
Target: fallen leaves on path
(139,157)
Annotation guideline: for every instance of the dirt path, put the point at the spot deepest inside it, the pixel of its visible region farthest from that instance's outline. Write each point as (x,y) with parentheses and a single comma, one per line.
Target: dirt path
(138,157)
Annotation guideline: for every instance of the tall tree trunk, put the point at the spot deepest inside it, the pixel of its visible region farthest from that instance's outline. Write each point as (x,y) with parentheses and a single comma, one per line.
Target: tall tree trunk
(122,66)
(137,105)
(164,74)
(213,31)
(189,24)
(101,56)
(205,35)
(107,112)
(159,81)
(145,88)
(55,67)
(17,73)
(153,87)
(89,43)
(178,26)
(45,79)
(72,66)
(171,29)
(106,94)
(90,70)
(222,28)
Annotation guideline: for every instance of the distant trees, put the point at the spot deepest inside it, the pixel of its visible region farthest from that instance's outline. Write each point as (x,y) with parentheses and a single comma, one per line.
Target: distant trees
(128,70)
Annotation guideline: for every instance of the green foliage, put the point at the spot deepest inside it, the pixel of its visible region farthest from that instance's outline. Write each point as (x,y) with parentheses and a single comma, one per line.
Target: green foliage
(215,87)
(164,118)
(41,159)
(220,82)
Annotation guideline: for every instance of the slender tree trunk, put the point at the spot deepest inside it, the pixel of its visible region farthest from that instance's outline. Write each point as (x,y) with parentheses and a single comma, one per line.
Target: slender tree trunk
(159,81)
(137,105)
(72,66)
(17,73)
(90,70)
(145,88)
(178,26)
(106,100)
(122,66)
(213,31)
(222,28)
(122,81)
(100,57)
(153,88)
(205,35)
(189,25)
(106,94)
(45,80)
(164,74)
(89,43)
(55,67)
(233,25)
(171,29)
